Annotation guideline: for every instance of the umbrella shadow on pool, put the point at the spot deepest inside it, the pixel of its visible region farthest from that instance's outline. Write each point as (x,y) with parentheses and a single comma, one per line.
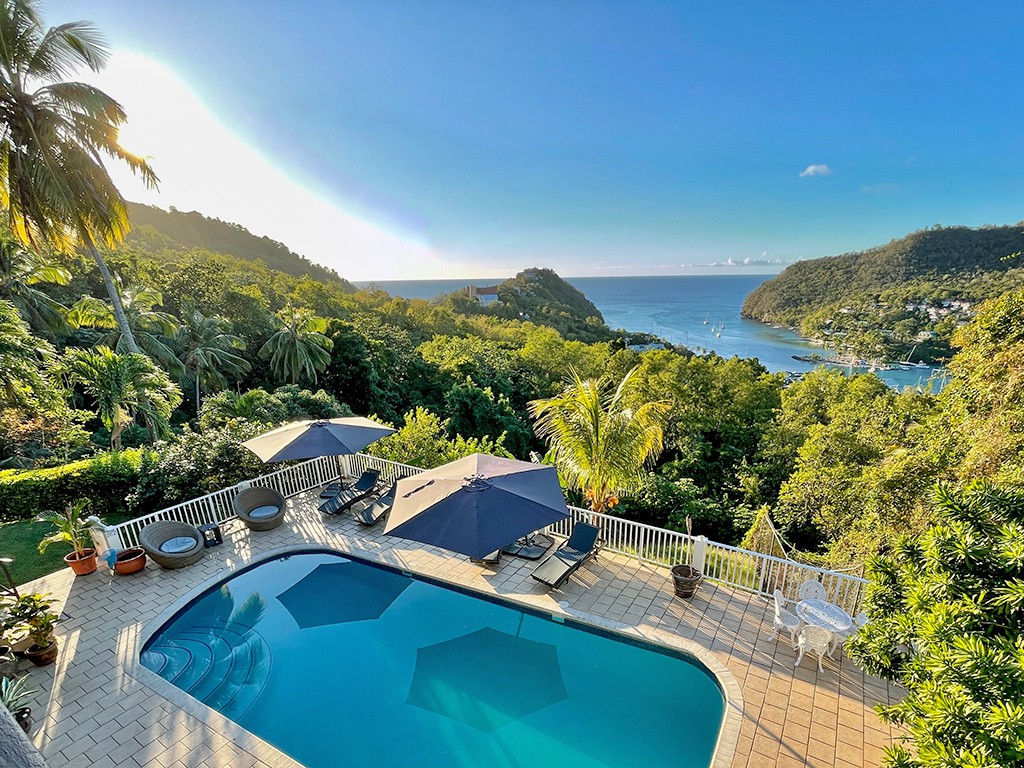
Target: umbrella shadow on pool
(337,593)
(487,679)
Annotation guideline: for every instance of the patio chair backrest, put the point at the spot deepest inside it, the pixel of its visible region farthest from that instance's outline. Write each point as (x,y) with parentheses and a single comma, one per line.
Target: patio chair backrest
(812,589)
(368,480)
(815,638)
(780,602)
(583,538)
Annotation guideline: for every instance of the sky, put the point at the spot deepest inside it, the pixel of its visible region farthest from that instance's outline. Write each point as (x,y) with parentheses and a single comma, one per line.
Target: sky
(411,140)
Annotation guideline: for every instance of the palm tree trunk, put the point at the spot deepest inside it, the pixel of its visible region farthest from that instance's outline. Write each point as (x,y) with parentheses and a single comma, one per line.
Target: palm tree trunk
(115,297)
(197,393)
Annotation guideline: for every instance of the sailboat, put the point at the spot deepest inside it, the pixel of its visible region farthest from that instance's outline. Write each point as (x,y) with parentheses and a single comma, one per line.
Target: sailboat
(909,364)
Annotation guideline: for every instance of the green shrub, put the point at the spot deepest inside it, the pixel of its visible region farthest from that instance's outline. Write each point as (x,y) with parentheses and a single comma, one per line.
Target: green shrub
(197,463)
(107,480)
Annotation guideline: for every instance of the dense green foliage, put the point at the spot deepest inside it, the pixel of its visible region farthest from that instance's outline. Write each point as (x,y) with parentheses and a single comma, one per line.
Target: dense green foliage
(947,611)
(541,296)
(905,298)
(107,479)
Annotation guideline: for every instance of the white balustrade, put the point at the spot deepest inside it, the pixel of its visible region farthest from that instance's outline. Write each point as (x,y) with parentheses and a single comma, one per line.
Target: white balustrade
(740,568)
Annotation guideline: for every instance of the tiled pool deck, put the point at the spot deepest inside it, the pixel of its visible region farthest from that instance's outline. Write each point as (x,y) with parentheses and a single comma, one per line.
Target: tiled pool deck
(92,711)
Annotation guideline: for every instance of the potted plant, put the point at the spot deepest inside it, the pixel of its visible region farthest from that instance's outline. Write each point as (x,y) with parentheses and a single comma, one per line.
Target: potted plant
(71,527)
(30,620)
(14,695)
(686,578)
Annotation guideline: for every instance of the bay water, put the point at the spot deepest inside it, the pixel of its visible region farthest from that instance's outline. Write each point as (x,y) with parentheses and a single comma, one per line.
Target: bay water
(701,312)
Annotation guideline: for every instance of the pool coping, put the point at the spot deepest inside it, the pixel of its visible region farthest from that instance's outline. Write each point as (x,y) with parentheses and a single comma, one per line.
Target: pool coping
(725,744)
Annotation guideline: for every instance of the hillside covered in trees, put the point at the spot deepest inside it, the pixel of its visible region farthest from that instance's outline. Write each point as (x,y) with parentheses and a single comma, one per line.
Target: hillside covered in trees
(155,230)
(907,295)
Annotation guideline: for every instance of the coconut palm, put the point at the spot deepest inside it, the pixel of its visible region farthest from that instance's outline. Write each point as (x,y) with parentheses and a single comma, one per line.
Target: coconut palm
(299,349)
(124,386)
(22,358)
(151,328)
(205,345)
(54,138)
(600,444)
(20,271)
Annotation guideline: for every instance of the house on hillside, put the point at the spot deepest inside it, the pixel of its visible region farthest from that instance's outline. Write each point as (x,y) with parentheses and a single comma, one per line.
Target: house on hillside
(484,294)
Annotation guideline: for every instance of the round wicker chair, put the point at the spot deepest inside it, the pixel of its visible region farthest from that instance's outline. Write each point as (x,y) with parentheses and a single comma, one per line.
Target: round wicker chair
(155,536)
(262,509)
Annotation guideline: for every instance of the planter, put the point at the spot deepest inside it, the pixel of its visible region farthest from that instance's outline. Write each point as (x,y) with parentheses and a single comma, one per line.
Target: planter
(131,560)
(686,579)
(23,717)
(82,562)
(42,657)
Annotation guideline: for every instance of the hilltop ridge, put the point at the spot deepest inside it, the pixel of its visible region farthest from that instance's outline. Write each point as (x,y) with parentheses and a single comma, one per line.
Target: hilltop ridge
(156,229)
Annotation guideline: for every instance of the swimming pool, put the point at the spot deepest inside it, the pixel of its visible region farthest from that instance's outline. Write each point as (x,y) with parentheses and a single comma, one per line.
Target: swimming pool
(336,661)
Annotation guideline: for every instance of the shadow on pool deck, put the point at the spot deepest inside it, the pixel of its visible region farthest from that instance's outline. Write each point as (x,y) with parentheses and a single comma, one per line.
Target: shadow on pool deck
(90,712)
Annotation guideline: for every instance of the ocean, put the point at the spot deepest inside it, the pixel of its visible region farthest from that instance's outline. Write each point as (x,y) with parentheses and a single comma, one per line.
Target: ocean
(701,312)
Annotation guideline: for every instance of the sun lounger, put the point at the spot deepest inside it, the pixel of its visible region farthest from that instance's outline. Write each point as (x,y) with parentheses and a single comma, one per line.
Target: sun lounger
(362,488)
(492,559)
(564,561)
(369,511)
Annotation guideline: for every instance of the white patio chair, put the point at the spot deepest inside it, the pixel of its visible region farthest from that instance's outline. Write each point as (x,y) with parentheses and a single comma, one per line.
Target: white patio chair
(812,589)
(815,639)
(784,620)
(840,638)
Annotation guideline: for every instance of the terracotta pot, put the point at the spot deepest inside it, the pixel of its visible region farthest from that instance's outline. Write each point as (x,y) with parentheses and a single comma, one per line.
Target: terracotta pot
(82,562)
(131,560)
(43,656)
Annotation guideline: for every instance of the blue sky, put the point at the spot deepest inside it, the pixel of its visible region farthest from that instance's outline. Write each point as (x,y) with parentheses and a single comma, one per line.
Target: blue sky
(601,138)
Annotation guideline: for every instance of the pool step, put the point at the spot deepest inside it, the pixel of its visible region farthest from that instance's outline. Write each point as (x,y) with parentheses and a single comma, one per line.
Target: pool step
(225,666)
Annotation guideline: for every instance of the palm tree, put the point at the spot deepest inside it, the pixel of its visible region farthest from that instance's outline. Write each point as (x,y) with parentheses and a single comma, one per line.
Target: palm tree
(299,349)
(22,359)
(151,328)
(20,271)
(599,444)
(124,386)
(205,345)
(54,137)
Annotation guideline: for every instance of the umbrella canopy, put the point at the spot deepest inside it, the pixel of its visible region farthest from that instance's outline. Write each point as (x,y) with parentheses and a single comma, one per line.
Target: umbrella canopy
(465,678)
(312,438)
(477,505)
(336,593)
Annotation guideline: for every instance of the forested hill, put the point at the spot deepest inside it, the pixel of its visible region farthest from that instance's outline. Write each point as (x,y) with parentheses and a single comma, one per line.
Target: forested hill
(154,229)
(541,296)
(934,264)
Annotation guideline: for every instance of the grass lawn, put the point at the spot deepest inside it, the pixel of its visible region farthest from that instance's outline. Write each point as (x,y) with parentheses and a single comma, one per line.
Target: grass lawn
(19,541)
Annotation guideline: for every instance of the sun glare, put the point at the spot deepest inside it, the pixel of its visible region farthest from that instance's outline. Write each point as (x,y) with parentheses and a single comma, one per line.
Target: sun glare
(206,167)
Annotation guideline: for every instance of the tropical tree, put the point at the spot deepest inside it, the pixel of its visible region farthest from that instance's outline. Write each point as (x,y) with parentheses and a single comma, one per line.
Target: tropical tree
(124,386)
(600,444)
(946,615)
(299,349)
(54,138)
(205,345)
(22,360)
(151,329)
(21,270)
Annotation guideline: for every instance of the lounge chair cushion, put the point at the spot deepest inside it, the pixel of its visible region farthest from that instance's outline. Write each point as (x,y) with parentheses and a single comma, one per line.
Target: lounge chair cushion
(178,544)
(261,513)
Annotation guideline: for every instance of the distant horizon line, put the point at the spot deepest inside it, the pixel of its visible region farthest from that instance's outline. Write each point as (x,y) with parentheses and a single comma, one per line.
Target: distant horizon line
(482,280)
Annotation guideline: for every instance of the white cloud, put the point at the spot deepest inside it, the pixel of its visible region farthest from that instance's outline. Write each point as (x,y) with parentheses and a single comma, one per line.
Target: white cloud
(819,169)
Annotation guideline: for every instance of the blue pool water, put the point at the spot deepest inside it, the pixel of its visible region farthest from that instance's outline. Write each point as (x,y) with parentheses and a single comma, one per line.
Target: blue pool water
(340,662)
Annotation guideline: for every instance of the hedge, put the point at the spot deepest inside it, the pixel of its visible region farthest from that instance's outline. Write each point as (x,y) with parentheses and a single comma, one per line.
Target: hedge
(106,479)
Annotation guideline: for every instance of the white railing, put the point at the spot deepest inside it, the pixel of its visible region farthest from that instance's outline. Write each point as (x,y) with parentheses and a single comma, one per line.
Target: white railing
(740,568)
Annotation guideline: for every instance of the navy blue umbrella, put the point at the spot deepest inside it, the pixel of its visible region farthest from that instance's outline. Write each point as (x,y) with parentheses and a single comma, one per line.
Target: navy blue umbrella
(312,438)
(477,505)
